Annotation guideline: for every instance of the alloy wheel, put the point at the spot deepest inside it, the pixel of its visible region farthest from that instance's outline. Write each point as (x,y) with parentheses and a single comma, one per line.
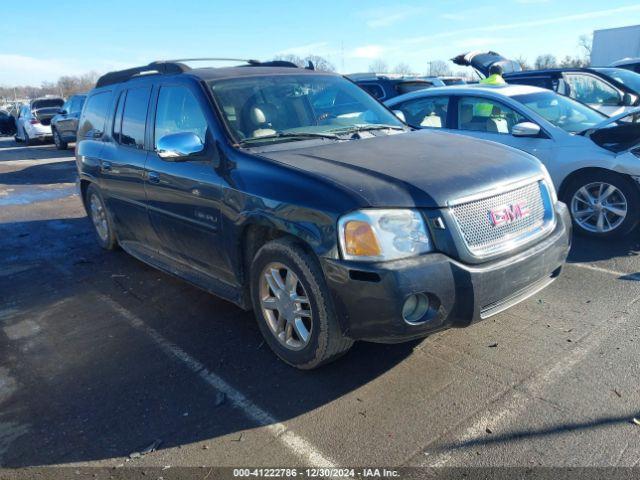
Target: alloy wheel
(599,207)
(99,217)
(285,306)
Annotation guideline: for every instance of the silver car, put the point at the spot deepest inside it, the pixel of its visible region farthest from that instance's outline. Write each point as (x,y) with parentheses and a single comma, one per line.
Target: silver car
(594,160)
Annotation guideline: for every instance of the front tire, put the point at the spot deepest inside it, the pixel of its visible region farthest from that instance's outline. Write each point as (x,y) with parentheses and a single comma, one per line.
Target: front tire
(293,306)
(100,218)
(60,144)
(603,204)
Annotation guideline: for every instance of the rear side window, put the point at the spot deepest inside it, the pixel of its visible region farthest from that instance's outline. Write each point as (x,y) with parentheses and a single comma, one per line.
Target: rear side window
(76,104)
(542,82)
(178,112)
(94,115)
(372,89)
(134,117)
(425,112)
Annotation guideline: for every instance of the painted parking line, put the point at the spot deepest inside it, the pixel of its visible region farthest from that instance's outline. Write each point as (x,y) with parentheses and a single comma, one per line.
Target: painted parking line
(595,268)
(300,446)
(515,401)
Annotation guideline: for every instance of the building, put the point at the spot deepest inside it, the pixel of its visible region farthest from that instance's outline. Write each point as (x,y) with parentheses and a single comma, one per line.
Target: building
(614,44)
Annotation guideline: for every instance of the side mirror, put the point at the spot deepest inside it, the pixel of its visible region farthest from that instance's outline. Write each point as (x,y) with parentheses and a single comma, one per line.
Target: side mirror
(400,115)
(525,129)
(628,100)
(178,146)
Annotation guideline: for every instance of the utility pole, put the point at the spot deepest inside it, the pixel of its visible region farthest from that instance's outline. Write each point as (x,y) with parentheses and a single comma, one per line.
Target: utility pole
(430,69)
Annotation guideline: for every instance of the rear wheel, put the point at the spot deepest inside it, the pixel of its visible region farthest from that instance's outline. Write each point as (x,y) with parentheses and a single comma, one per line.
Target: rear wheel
(27,140)
(293,306)
(60,144)
(603,204)
(100,218)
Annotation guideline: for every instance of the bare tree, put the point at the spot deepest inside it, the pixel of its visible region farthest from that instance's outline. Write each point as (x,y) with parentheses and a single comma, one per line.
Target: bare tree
(522,61)
(378,66)
(573,62)
(403,69)
(64,86)
(438,68)
(585,42)
(546,61)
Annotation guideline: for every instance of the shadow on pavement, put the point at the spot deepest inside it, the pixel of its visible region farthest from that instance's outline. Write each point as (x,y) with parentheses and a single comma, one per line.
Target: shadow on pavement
(90,387)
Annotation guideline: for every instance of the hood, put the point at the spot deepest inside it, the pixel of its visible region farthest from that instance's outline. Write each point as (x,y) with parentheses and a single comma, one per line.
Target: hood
(616,137)
(425,169)
(482,62)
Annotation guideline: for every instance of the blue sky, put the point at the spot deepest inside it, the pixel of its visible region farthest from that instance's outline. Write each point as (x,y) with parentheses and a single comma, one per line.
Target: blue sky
(50,39)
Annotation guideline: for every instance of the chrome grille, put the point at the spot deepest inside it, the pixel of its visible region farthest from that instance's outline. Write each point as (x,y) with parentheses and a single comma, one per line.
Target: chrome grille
(483,238)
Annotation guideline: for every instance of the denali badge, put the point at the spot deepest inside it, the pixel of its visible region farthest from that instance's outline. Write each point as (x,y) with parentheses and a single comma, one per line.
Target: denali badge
(508,213)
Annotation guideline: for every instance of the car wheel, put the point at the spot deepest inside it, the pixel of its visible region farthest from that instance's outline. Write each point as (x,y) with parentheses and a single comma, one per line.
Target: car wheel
(603,204)
(27,140)
(99,215)
(293,306)
(60,144)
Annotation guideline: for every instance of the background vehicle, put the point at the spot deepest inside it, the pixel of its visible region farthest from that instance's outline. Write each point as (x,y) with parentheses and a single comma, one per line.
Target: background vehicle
(7,123)
(386,85)
(632,64)
(296,194)
(612,44)
(34,119)
(593,160)
(65,124)
(610,90)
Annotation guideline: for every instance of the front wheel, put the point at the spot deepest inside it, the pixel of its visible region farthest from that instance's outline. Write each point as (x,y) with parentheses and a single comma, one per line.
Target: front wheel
(293,306)
(603,204)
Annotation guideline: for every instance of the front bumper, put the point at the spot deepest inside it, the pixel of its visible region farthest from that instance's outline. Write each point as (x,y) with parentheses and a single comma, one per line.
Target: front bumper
(369,297)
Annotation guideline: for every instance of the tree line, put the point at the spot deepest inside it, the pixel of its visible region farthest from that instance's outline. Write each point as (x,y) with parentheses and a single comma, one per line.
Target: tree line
(63,87)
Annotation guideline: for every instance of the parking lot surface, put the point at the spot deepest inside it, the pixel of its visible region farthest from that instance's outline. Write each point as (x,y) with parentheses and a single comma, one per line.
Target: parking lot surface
(102,357)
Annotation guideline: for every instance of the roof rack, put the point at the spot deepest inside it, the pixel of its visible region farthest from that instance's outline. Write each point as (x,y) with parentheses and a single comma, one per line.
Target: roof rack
(167,67)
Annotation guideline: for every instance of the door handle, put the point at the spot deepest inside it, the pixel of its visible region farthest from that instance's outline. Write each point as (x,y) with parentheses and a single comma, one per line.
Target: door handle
(106,166)
(153,177)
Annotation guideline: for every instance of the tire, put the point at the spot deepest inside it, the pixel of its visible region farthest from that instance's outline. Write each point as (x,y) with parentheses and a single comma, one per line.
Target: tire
(60,144)
(27,140)
(102,225)
(625,195)
(325,341)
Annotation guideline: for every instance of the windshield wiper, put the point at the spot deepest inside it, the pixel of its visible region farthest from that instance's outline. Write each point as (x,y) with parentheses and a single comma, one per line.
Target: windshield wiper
(289,135)
(366,128)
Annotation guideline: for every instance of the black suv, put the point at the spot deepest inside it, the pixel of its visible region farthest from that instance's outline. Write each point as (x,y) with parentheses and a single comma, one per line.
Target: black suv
(65,124)
(296,194)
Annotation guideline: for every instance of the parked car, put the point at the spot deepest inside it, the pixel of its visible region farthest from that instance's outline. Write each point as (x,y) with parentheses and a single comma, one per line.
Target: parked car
(632,64)
(610,90)
(384,86)
(7,123)
(34,119)
(65,124)
(593,160)
(453,80)
(296,194)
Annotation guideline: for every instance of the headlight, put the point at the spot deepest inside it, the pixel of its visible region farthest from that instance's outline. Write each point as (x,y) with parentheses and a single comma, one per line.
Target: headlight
(549,182)
(377,235)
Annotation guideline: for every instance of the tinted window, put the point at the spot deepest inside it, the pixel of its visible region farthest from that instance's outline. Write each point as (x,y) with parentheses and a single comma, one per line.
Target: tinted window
(134,117)
(372,89)
(485,115)
(407,87)
(47,103)
(94,114)
(179,111)
(542,82)
(76,104)
(425,112)
(590,89)
(117,122)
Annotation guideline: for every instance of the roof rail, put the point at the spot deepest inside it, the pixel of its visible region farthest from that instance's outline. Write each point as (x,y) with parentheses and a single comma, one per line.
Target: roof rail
(167,67)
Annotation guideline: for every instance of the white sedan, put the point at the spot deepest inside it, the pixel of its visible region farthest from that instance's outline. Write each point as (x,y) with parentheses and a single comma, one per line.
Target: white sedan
(594,160)
(34,119)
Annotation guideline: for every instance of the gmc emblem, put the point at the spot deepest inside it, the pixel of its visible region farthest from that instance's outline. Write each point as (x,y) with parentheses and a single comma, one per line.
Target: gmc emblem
(509,213)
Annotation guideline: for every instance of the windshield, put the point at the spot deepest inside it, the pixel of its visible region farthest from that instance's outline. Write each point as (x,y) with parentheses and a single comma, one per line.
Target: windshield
(277,108)
(627,78)
(563,112)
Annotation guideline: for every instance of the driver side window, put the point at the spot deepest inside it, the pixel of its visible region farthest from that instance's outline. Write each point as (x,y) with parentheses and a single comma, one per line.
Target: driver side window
(486,115)
(591,90)
(179,112)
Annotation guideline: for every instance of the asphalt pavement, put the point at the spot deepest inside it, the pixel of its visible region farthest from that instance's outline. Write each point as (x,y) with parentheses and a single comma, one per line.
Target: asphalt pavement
(103,358)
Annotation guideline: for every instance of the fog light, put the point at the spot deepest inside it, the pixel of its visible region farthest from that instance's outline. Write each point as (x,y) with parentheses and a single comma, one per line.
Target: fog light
(415,307)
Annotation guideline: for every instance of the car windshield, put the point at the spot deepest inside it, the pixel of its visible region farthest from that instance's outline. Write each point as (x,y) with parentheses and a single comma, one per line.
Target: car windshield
(563,112)
(278,108)
(627,78)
